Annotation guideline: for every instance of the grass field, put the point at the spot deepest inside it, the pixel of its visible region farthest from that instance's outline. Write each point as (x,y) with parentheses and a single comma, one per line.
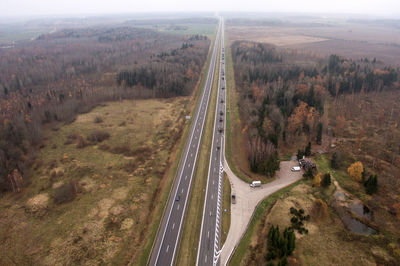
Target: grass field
(226,205)
(117,187)
(190,29)
(353,40)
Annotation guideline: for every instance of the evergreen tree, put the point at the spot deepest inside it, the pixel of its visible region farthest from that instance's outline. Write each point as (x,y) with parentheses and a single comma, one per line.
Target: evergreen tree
(300,154)
(326,181)
(319,134)
(371,185)
(307,151)
(334,162)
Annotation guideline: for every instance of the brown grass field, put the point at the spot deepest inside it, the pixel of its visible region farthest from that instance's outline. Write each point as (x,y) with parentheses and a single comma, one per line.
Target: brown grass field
(117,187)
(354,40)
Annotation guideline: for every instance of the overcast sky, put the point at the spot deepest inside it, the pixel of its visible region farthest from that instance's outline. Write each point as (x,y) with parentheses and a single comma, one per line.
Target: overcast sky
(55,7)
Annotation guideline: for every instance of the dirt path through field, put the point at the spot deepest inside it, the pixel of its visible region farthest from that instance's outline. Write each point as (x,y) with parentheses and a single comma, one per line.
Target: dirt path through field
(247,199)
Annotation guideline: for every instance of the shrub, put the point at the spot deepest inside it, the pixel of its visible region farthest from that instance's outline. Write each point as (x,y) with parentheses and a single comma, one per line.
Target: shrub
(317,179)
(98,136)
(65,193)
(81,142)
(355,171)
(98,119)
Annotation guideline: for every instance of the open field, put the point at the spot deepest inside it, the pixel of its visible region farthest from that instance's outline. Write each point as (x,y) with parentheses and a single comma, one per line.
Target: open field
(350,39)
(95,191)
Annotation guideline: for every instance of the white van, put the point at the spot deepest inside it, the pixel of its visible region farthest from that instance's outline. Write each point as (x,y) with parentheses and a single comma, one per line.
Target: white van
(295,169)
(255,184)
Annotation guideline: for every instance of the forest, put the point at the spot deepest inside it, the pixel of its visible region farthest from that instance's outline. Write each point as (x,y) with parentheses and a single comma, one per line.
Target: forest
(283,96)
(60,74)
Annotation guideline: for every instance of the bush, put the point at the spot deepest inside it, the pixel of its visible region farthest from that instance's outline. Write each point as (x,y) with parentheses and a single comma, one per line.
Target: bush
(81,142)
(98,136)
(98,119)
(65,193)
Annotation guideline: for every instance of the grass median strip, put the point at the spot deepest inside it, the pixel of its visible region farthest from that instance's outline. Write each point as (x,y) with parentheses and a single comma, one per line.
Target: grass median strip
(226,210)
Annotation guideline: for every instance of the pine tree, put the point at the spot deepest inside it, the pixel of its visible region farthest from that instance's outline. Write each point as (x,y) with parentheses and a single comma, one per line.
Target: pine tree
(326,181)
(371,185)
(334,163)
(307,151)
(319,134)
(300,154)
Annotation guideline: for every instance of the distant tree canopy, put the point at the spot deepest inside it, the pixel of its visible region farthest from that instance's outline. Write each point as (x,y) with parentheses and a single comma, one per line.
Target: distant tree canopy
(169,73)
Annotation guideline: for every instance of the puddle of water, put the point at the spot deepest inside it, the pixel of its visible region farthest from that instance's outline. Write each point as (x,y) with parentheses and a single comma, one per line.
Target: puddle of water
(357,227)
(340,196)
(361,210)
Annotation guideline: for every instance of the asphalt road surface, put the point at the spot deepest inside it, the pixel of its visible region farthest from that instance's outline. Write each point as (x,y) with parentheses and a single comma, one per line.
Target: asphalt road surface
(166,245)
(209,243)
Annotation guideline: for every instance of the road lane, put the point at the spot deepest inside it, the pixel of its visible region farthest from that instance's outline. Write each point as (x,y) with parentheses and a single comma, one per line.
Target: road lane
(166,245)
(209,242)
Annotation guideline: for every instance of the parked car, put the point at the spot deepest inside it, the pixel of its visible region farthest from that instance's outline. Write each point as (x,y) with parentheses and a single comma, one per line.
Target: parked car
(233,198)
(295,169)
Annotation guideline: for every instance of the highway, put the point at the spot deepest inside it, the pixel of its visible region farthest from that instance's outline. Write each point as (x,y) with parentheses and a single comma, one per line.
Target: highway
(209,242)
(166,244)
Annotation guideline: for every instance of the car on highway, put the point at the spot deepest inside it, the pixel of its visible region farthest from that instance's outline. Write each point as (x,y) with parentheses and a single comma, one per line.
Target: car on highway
(218,147)
(177,198)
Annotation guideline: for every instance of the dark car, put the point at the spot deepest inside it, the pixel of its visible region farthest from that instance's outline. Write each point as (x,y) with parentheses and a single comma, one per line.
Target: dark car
(177,198)
(218,147)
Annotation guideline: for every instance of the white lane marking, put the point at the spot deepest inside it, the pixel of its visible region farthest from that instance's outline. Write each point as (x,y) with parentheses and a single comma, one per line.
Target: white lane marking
(166,251)
(178,206)
(205,260)
(191,155)
(212,196)
(182,190)
(189,166)
(208,234)
(185,177)
(173,226)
